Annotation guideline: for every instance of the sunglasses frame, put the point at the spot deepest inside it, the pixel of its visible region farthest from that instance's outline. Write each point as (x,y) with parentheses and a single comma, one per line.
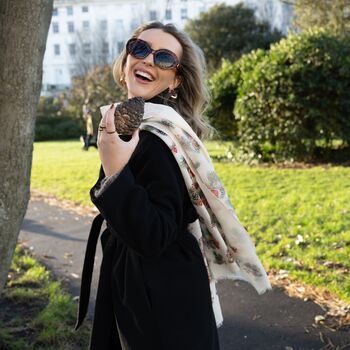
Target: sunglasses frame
(154,52)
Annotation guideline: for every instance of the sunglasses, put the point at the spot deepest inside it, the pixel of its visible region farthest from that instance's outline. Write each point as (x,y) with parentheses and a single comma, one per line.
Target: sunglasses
(162,58)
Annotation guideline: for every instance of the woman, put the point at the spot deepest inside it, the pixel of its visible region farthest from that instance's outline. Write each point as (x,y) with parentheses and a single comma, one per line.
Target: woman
(154,290)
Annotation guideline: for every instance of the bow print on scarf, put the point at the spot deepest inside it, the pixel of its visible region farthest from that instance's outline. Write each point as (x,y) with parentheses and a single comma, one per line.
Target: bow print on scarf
(227,249)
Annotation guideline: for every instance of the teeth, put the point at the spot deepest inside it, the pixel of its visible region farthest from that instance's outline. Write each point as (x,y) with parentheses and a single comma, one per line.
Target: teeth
(144,74)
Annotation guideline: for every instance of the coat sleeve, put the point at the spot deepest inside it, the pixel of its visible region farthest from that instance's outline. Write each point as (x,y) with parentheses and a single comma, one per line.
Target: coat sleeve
(145,209)
(105,182)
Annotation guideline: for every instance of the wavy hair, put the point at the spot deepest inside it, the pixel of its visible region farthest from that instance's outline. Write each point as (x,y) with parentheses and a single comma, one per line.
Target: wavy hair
(192,94)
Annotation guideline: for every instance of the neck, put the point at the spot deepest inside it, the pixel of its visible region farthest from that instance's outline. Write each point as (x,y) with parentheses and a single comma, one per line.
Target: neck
(161,98)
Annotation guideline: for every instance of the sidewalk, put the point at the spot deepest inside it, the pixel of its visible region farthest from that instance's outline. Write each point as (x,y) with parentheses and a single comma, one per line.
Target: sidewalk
(272,321)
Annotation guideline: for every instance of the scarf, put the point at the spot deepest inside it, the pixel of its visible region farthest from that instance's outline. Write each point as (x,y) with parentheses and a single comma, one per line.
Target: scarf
(226,247)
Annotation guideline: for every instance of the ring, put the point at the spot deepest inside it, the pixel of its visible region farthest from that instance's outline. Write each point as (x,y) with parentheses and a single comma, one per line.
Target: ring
(111,132)
(102,127)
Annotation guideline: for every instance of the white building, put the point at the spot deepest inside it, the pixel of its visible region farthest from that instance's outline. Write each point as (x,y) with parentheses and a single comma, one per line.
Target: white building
(87,32)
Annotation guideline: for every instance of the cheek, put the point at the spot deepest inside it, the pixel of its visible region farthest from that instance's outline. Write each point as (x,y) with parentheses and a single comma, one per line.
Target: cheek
(166,77)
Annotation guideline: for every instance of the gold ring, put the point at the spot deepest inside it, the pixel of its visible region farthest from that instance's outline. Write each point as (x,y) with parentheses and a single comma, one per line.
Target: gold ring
(111,132)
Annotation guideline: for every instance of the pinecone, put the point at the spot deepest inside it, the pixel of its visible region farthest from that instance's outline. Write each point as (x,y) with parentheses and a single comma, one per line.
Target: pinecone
(128,115)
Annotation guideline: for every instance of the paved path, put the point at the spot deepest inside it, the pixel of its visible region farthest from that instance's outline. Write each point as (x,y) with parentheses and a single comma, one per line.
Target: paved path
(251,322)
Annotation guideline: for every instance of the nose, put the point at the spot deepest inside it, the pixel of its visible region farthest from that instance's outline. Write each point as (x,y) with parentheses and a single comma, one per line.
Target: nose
(148,59)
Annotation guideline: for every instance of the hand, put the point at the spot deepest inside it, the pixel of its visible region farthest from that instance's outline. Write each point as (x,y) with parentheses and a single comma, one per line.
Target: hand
(113,151)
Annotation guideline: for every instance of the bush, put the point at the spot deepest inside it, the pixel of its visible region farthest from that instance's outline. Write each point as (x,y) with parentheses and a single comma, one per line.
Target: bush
(58,128)
(296,95)
(223,87)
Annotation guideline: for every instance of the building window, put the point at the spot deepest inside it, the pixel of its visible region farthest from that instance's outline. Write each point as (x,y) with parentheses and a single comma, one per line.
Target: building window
(55,11)
(120,46)
(85,9)
(70,27)
(57,50)
(183,13)
(153,15)
(168,14)
(70,11)
(105,48)
(103,24)
(86,25)
(73,72)
(72,49)
(87,48)
(55,28)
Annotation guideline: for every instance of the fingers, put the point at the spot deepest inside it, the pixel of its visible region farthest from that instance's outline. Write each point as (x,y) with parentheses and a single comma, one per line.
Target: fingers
(109,120)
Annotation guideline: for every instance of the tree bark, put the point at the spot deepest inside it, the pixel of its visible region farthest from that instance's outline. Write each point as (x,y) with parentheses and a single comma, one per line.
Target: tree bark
(23,32)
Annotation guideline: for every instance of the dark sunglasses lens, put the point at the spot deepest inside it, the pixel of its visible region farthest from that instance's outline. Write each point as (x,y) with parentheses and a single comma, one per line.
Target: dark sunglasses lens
(139,49)
(164,60)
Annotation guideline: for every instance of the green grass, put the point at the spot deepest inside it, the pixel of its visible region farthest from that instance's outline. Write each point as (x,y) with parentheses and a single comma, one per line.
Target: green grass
(299,219)
(35,310)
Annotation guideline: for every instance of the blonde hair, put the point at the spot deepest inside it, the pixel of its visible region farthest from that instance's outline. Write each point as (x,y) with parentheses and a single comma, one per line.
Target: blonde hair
(192,94)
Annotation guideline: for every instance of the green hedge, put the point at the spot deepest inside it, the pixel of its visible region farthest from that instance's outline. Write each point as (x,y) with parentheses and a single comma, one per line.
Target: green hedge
(290,102)
(224,85)
(295,97)
(58,128)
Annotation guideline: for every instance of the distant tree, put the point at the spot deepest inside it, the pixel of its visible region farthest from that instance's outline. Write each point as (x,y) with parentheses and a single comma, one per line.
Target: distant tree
(95,89)
(228,32)
(331,14)
(23,31)
(92,49)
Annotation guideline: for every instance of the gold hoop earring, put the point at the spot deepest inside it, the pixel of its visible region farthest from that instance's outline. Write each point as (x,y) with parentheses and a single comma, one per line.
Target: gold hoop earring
(122,79)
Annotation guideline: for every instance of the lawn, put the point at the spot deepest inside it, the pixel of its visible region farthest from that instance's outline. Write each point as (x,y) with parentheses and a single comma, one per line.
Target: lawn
(299,219)
(36,312)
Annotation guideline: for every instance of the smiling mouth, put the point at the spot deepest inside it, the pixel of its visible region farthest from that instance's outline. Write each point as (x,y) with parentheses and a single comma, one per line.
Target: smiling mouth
(143,76)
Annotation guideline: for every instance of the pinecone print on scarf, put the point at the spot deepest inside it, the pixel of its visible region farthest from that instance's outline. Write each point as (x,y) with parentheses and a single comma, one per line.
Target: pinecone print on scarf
(196,165)
(167,123)
(194,144)
(208,238)
(252,269)
(192,175)
(161,132)
(182,162)
(187,142)
(215,184)
(213,220)
(148,127)
(218,258)
(173,148)
(194,193)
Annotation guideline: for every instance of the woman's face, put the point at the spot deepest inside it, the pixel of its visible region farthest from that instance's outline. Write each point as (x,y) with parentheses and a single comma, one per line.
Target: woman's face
(161,78)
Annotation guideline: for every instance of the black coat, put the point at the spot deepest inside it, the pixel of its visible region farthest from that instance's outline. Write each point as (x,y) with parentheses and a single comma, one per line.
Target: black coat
(153,291)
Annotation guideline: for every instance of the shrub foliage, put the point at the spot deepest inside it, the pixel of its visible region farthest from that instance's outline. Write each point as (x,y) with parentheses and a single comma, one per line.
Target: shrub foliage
(289,100)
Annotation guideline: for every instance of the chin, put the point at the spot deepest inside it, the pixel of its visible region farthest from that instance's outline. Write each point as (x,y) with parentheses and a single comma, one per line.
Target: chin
(140,92)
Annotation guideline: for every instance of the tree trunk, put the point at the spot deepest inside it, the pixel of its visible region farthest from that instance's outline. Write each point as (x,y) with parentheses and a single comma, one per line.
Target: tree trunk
(23,31)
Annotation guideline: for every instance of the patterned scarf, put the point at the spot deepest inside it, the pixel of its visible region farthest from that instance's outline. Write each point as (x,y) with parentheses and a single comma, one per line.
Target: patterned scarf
(227,249)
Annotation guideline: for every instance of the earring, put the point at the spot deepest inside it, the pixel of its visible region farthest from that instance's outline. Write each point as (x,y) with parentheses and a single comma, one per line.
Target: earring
(173,94)
(122,79)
